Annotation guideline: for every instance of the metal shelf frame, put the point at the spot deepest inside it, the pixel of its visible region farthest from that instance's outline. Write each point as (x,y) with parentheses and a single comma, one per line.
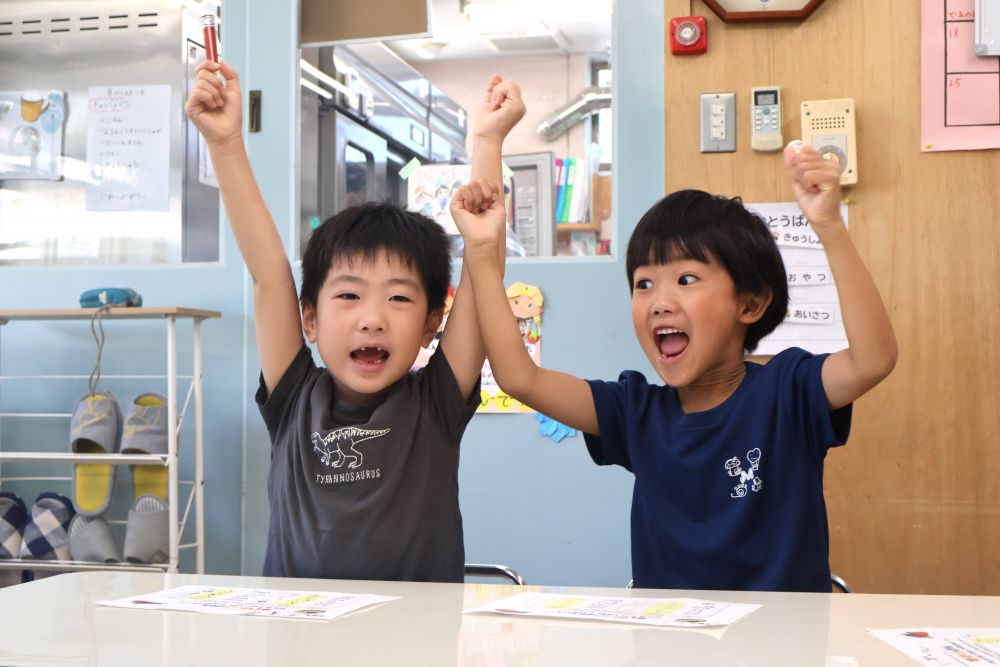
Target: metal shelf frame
(174,422)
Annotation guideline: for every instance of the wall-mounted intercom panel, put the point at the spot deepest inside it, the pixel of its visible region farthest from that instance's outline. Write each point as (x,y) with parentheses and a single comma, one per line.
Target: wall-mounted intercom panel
(828,126)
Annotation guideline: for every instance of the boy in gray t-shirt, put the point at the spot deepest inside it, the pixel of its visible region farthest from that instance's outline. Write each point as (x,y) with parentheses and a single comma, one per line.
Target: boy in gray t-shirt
(364,458)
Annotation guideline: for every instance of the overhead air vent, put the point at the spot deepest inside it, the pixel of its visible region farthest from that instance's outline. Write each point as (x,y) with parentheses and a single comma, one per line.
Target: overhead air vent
(518,42)
(88,23)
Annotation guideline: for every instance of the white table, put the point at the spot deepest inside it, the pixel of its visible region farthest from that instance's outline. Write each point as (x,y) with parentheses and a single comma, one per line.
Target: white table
(56,621)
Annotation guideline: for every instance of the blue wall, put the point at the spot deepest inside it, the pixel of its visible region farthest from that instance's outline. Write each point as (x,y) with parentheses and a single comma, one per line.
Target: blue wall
(541,507)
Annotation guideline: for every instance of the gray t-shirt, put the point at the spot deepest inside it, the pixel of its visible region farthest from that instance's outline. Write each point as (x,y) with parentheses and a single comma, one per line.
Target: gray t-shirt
(365,494)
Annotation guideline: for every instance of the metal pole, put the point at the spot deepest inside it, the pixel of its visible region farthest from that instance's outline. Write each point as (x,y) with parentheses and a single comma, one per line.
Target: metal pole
(172,442)
(199,476)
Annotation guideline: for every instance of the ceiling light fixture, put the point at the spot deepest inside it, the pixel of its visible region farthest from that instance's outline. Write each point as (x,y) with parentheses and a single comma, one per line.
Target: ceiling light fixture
(429,50)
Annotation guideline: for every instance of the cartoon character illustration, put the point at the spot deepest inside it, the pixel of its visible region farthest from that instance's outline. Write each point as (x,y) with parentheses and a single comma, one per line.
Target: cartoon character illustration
(527,303)
(423,201)
(734,468)
(442,195)
(331,444)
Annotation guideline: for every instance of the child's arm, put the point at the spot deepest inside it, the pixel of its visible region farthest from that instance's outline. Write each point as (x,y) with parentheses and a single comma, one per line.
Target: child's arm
(871,352)
(216,110)
(563,397)
(500,111)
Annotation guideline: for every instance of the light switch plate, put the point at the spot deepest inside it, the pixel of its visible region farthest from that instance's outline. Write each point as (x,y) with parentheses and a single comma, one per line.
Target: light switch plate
(718,123)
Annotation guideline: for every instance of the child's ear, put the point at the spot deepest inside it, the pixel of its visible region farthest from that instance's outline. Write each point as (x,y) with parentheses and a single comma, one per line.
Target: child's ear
(309,322)
(431,325)
(753,307)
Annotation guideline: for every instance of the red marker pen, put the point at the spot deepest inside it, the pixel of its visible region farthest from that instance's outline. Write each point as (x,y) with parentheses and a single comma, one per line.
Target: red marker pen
(211,37)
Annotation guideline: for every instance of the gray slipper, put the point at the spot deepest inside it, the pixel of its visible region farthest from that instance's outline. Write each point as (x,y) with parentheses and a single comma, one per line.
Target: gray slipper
(91,540)
(95,429)
(147,538)
(145,432)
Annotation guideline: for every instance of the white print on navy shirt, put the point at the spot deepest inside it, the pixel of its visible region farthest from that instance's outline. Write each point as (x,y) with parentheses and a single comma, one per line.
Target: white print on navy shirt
(735,469)
(338,446)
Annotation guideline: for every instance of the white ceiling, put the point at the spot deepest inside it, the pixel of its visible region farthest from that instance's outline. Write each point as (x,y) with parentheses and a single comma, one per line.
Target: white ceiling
(585,25)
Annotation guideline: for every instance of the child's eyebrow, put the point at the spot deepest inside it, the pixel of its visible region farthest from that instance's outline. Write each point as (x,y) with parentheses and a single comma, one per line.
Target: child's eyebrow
(405,282)
(348,278)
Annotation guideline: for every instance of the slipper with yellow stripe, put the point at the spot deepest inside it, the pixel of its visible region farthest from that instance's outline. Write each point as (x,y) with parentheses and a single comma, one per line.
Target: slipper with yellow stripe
(146,433)
(96,428)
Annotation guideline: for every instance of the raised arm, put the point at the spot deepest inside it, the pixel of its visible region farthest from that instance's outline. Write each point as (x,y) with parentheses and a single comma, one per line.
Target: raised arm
(871,352)
(563,397)
(500,110)
(215,108)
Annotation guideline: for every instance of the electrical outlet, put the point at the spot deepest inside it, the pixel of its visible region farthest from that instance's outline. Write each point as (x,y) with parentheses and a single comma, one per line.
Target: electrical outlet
(718,123)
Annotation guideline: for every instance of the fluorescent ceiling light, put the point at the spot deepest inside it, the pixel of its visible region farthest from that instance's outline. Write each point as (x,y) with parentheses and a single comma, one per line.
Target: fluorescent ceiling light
(308,68)
(316,89)
(429,50)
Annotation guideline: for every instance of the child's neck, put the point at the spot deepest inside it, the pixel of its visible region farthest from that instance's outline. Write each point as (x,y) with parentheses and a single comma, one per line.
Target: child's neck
(356,399)
(713,388)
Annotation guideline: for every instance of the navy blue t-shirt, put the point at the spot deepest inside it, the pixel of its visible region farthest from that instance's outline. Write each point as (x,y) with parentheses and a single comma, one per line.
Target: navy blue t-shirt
(729,498)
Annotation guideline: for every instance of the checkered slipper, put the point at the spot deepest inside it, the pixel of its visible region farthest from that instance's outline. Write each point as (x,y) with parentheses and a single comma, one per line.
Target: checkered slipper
(13,516)
(45,534)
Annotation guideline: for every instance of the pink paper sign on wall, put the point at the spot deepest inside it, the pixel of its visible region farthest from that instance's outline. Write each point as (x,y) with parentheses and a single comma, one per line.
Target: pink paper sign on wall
(960,92)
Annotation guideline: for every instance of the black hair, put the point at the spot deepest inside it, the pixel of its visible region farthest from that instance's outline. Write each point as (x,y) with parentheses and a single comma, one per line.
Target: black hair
(691,224)
(363,231)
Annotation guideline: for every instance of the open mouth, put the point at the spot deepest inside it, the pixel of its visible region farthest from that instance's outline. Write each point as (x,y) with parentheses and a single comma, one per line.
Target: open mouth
(671,342)
(370,355)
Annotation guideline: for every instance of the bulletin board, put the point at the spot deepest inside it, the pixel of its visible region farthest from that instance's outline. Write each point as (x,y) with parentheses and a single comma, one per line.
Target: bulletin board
(912,499)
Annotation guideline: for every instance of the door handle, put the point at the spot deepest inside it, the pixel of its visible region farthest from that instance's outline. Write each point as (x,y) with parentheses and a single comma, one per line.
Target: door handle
(255,111)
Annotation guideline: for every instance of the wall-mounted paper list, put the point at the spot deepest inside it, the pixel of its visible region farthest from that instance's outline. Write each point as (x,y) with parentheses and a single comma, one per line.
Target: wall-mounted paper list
(813,321)
(128,148)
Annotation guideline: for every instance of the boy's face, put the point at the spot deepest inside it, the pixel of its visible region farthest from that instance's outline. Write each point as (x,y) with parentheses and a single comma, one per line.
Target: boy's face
(689,319)
(369,321)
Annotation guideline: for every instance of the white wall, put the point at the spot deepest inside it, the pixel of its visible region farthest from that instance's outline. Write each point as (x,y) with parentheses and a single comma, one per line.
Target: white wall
(547,83)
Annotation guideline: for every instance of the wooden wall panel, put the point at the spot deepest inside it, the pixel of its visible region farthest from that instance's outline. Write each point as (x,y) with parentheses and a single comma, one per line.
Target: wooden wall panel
(914,499)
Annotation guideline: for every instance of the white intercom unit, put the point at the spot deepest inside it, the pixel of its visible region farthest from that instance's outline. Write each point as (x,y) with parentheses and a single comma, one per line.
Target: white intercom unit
(828,126)
(765,118)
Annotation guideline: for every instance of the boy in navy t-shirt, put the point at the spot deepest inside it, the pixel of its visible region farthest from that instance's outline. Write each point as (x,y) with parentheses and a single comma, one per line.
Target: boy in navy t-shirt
(728,454)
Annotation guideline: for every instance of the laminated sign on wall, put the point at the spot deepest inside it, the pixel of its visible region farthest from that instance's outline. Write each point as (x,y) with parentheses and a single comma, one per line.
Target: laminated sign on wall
(959,89)
(813,320)
(128,148)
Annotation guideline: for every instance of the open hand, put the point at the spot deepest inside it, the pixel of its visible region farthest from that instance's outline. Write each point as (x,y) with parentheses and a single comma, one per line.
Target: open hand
(478,211)
(500,110)
(816,184)
(215,106)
